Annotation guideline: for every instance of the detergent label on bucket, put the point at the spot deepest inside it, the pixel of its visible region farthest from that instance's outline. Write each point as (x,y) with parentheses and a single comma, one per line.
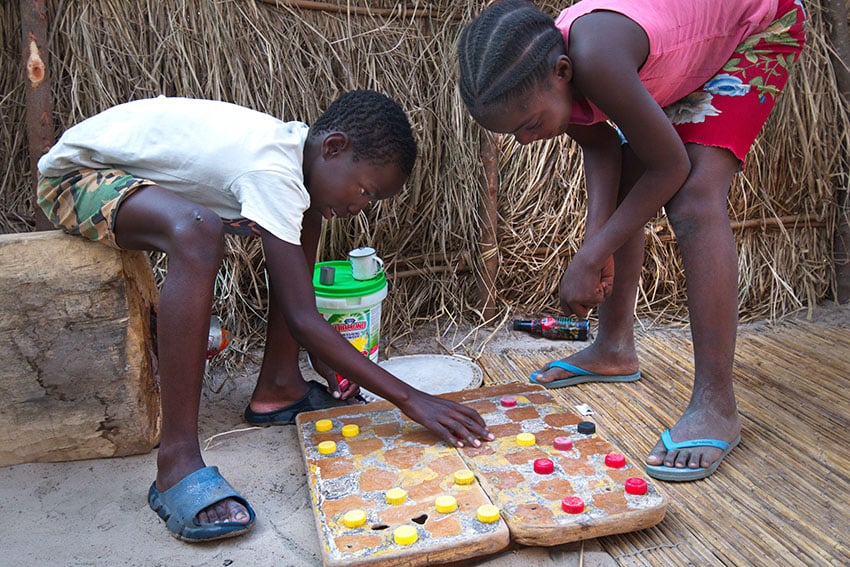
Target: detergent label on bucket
(362,329)
(351,307)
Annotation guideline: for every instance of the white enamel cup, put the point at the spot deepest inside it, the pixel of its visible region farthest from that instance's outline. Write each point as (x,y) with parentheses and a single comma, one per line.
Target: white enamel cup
(365,263)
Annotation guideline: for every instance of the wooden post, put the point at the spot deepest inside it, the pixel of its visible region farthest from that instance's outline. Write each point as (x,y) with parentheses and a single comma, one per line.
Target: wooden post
(39,115)
(489,216)
(835,12)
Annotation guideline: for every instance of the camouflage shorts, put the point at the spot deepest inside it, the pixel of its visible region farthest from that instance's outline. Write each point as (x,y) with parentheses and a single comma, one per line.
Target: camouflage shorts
(85,201)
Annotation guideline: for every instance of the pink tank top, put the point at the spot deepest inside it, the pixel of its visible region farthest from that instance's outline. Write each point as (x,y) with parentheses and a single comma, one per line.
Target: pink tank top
(689,41)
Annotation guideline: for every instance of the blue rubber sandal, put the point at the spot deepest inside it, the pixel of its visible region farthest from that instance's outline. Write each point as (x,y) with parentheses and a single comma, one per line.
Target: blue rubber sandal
(581,376)
(179,505)
(675,474)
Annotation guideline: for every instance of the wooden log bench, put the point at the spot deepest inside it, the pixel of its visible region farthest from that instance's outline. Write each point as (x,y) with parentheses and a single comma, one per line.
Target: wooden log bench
(76,380)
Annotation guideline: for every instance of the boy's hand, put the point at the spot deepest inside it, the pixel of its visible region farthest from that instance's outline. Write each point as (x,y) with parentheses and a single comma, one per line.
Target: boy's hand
(456,424)
(345,389)
(338,386)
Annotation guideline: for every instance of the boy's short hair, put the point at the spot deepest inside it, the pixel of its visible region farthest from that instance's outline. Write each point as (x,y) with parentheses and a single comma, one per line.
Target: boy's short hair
(376,125)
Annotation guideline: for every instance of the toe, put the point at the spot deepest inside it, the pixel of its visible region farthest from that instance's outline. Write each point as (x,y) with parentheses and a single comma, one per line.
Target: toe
(656,456)
(228,510)
(682,459)
(237,512)
(707,457)
(548,374)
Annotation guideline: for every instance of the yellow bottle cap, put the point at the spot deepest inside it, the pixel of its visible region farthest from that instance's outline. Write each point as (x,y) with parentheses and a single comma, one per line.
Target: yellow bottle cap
(396,496)
(445,503)
(488,514)
(405,535)
(324,425)
(525,439)
(350,430)
(464,476)
(354,518)
(327,447)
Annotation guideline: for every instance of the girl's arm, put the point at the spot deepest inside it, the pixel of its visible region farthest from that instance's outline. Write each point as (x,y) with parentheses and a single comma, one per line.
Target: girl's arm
(607,50)
(602,161)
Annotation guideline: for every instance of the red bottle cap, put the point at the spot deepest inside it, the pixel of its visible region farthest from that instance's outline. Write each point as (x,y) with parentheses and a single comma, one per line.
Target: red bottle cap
(615,460)
(636,486)
(562,443)
(544,466)
(508,402)
(572,505)
(342,381)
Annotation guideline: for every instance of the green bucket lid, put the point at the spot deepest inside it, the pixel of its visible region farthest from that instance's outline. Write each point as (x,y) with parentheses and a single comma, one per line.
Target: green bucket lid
(344,284)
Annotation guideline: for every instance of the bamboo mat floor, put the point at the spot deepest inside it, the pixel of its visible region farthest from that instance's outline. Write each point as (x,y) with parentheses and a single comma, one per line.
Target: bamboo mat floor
(782,497)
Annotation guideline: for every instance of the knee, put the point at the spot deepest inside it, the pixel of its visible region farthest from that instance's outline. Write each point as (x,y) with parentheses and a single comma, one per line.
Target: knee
(696,209)
(197,239)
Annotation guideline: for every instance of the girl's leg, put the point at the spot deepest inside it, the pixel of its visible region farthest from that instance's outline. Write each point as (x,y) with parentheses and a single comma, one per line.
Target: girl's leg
(192,236)
(698,214)
(613,349)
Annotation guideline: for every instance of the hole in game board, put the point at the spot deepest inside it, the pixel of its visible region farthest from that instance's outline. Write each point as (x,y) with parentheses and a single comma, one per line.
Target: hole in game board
(380,527)
(420,519)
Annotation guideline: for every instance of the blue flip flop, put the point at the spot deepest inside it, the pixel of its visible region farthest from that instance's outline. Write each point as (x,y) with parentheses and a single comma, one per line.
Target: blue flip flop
(179,505)
(581,376)
(675,474)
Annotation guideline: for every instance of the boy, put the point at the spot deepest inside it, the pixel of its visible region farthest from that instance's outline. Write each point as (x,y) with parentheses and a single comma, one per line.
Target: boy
(161,174)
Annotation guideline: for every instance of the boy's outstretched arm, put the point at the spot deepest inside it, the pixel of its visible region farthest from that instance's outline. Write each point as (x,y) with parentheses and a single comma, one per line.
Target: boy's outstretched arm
(292,282)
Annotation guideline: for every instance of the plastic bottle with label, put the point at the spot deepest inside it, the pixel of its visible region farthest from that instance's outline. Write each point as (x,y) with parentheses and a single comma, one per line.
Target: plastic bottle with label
(557,328)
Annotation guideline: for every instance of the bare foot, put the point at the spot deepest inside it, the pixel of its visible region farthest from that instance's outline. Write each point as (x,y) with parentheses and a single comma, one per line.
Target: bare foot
(595,359)
(227,510)
(696,423)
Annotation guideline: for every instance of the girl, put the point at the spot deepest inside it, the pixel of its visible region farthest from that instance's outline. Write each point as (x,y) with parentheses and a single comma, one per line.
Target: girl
(689,84)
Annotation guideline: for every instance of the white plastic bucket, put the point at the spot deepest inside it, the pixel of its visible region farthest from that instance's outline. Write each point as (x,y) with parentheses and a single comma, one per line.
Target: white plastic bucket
(352,307)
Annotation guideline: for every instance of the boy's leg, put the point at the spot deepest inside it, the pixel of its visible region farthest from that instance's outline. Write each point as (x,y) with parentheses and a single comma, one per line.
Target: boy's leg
(613,349)
(280,383)
(698,214)
(153,218)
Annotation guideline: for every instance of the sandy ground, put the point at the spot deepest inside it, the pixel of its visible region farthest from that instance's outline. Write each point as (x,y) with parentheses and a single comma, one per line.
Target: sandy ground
(96,513)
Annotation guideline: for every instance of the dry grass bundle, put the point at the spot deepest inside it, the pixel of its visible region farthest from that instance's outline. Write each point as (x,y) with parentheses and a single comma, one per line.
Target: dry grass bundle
(291,58)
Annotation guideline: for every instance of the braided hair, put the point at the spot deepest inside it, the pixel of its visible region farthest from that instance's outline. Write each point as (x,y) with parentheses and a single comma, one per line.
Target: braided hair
(376,126)
(505,52)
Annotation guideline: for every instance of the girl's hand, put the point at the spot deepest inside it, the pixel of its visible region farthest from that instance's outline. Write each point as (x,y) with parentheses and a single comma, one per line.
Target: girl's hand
(456,424)
(583,287)
(607,277)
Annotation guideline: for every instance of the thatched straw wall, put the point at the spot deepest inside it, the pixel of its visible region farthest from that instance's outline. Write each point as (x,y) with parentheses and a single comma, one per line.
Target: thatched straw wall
(290,59)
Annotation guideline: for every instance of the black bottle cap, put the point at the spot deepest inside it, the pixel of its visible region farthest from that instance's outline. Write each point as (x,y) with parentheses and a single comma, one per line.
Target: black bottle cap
(586,427)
